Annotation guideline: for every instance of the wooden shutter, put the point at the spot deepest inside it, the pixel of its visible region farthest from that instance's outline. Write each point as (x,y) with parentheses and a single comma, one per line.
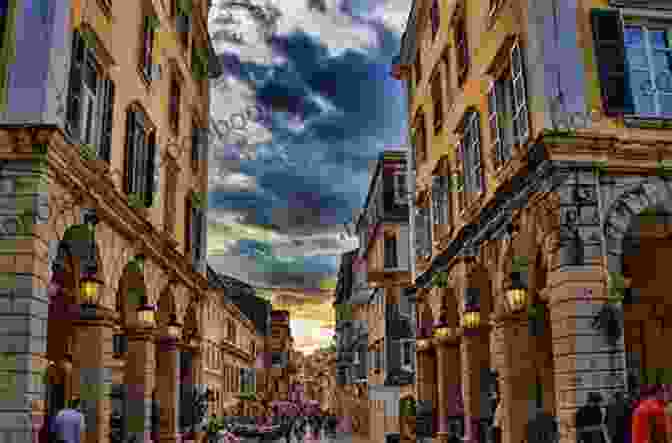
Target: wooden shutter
(195,144)
(152,169)
(520,111)
(611,61)
(129,166)
(435,17)
(146,56)
(140,157)
(107,119)
(75,85)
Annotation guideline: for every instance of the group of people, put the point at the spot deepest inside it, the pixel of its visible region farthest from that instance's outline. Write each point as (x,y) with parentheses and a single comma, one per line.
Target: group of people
(643,418)
(67,426)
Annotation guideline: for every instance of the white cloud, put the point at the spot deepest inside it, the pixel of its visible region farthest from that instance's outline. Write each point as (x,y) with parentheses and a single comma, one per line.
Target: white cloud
(231,182)
(394,13)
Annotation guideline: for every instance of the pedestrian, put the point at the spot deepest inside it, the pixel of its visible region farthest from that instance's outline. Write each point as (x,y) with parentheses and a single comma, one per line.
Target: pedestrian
(589,420)
(648,420)
(619,416)
(69,424)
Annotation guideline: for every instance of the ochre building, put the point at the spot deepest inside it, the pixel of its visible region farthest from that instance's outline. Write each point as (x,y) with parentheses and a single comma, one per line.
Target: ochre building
(103,139)
(540,162)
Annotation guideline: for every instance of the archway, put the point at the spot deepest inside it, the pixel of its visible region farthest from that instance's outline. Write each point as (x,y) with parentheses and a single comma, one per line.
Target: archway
(647,253)
(478,381)
(638,230)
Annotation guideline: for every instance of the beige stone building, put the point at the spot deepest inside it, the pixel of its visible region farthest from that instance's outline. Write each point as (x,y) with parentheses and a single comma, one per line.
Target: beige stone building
(103,140)
(540,163)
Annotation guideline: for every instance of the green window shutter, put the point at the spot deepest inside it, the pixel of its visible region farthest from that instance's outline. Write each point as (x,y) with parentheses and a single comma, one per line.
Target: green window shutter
(7,46)
(611,62)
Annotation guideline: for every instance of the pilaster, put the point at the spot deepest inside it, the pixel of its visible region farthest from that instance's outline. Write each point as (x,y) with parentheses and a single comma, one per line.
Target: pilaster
(475,359)
(583,359)
(139,381)
(449,385)
(167,393)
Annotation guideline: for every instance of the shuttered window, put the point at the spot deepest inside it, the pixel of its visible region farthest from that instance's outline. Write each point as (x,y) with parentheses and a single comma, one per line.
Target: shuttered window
(437,98)
(391,252)
(435,16)
(149,24)
(90,104)
(471,146)
(174,106)
(141,158)
(520,109)
(611,61)
(169,199)
(461,45)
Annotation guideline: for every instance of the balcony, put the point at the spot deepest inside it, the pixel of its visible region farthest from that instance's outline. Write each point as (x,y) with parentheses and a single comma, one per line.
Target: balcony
(400,377)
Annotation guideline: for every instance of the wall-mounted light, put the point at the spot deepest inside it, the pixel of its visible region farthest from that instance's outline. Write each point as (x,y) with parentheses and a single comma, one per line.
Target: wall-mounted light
(516,294)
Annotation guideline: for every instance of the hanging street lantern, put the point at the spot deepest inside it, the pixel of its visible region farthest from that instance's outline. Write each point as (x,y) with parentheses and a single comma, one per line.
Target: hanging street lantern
(471,318)
(89,290)
(516,294)
(146,313)
(173,327)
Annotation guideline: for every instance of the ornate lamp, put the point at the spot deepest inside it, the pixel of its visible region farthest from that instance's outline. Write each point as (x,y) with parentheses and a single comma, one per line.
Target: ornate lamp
(89,292)
(516,294)
(441,329)
(146,313)
(471,318)
(173,327)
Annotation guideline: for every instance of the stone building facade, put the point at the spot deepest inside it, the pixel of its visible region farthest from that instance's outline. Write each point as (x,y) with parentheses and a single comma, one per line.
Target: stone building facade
(375,317)
(105,295)
(541,179)
(278,350)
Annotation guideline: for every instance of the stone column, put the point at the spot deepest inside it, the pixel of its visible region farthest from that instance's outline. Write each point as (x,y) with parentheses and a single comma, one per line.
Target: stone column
(448,384)
(139,382)
(167,382)
(198,377)
(475,360)
(426,378)
(517,378)
(91,381)
(583,360)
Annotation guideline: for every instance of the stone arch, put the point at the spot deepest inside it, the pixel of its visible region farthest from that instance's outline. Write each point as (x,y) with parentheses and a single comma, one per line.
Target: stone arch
(621,216)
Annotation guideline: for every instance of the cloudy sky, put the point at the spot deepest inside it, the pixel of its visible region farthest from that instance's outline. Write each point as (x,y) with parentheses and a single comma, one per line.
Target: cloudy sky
(305,104)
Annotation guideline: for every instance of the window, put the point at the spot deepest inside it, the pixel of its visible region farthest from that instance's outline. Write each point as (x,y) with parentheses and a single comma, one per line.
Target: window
(435,17)
(199,144)
(408,353)
(470,148)
(418,67)
(195,219)
(400,189)
(648,50)
(141,157)
(379,357)
(500,103)
(461,44)
(441,199)
(391,252)
(419,139)
(174,106)
(90,100)
(181,10)
(149,24)
(230,331)
(437,96)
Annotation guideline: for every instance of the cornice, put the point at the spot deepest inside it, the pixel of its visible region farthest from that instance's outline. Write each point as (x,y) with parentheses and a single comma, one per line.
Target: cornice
(111,206)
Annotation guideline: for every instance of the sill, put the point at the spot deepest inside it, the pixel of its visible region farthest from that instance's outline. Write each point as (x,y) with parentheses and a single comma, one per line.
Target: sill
(647,122)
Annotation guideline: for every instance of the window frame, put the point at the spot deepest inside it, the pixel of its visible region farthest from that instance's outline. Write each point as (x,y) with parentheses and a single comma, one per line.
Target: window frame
(436,87)
(435,18)
(138,180)
(461,42)
(175,102)
(390,261)
(647,25)
(148,26)
(470,140)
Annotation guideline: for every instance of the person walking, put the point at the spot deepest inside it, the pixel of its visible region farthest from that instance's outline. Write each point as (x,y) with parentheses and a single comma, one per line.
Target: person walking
(589,420)
(648,420)
(619,415)
(69,424)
